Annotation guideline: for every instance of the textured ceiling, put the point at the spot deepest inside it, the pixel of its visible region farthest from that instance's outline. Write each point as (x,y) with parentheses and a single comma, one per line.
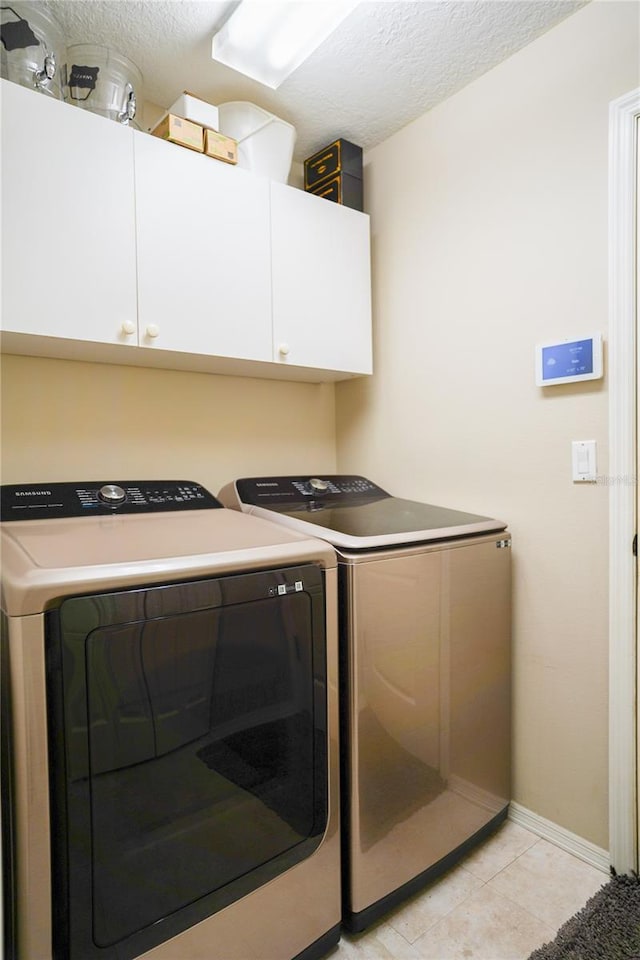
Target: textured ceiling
(384,66)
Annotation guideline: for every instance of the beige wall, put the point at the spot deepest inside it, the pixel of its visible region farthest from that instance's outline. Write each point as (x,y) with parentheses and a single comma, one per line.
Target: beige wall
(489,222)
(65,420)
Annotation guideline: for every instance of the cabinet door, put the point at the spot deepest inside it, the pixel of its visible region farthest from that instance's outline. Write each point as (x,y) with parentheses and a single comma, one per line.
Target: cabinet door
(204,281)
(68,221)
(321,282)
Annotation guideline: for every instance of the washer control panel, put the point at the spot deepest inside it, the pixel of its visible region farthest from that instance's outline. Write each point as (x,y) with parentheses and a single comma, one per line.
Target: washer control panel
(34,501)
(274,492)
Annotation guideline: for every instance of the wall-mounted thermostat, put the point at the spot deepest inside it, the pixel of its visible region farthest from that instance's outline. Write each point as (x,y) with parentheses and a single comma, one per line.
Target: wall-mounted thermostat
(569,360)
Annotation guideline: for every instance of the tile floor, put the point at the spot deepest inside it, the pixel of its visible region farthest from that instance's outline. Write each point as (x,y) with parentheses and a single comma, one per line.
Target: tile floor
(501,902)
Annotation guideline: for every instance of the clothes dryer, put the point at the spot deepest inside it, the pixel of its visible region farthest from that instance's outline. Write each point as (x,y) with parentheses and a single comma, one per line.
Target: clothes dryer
(425,626)
(170,728)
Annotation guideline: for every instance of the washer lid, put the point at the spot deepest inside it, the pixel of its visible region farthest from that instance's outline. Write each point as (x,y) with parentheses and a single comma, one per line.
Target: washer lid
(351,511)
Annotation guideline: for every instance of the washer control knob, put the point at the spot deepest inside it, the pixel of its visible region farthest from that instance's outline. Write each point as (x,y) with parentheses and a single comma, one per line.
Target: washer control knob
(112,494)
(319,486)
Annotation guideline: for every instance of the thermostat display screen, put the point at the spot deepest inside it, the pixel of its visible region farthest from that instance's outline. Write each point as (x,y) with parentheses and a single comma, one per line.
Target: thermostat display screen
(569,360)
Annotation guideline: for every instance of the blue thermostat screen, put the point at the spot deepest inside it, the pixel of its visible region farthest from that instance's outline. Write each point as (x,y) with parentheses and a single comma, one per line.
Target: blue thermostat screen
(567,360)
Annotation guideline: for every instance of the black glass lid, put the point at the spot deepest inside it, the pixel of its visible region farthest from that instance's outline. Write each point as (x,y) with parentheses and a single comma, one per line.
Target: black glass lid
(382,516)
(350,510)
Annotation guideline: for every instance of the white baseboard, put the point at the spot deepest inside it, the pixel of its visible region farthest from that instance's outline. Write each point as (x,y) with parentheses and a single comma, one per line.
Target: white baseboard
(562,838)
(477,796)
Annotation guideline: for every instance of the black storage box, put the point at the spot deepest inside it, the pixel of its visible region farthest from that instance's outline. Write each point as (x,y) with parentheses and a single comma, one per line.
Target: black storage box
(340,188)
(335,172)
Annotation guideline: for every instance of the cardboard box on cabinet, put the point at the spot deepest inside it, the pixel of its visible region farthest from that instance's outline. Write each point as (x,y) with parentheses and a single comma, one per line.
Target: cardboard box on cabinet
(221,147)
(180,131)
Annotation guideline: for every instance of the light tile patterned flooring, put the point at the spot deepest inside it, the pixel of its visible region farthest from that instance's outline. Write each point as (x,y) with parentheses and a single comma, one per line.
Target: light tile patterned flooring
(501,902)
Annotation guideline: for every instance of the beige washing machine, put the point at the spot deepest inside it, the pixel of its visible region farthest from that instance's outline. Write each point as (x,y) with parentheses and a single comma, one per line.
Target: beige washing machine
(170,728)
(425,635)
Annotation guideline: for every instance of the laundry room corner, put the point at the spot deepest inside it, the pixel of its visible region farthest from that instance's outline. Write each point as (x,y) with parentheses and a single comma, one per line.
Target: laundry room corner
(495,238)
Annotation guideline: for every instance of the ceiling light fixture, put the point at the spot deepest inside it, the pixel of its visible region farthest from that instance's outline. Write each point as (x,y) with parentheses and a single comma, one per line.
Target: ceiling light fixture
(267,41)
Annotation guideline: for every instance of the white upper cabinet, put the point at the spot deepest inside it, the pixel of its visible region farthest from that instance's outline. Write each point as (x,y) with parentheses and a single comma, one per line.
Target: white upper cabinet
(321,282)
(122,248)
(204,271)
(68,221)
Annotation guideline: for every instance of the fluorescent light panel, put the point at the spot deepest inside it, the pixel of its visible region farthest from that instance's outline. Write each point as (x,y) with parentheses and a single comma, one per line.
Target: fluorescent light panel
(267,41)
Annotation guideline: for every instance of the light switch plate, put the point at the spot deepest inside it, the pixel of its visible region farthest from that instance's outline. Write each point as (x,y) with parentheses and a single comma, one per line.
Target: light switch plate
(583,460)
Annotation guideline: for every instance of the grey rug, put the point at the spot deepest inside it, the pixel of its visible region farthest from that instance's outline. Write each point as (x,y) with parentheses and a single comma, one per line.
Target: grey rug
(607,928)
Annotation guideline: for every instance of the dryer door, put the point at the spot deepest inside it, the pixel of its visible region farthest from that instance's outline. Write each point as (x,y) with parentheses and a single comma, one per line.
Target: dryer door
(189,752)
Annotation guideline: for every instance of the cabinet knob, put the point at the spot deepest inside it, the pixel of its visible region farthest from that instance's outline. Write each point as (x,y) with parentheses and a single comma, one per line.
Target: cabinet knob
(128,327)
(284,349)
(152,330)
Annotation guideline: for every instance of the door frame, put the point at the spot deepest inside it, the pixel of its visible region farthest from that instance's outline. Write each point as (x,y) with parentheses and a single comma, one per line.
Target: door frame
(624,114)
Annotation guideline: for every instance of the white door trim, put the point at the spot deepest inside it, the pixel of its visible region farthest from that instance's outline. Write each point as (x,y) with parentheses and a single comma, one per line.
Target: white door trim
(623,758)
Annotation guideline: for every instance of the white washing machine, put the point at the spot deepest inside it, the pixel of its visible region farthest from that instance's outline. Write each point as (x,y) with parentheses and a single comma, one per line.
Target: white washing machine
(170,728)
(425,629)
